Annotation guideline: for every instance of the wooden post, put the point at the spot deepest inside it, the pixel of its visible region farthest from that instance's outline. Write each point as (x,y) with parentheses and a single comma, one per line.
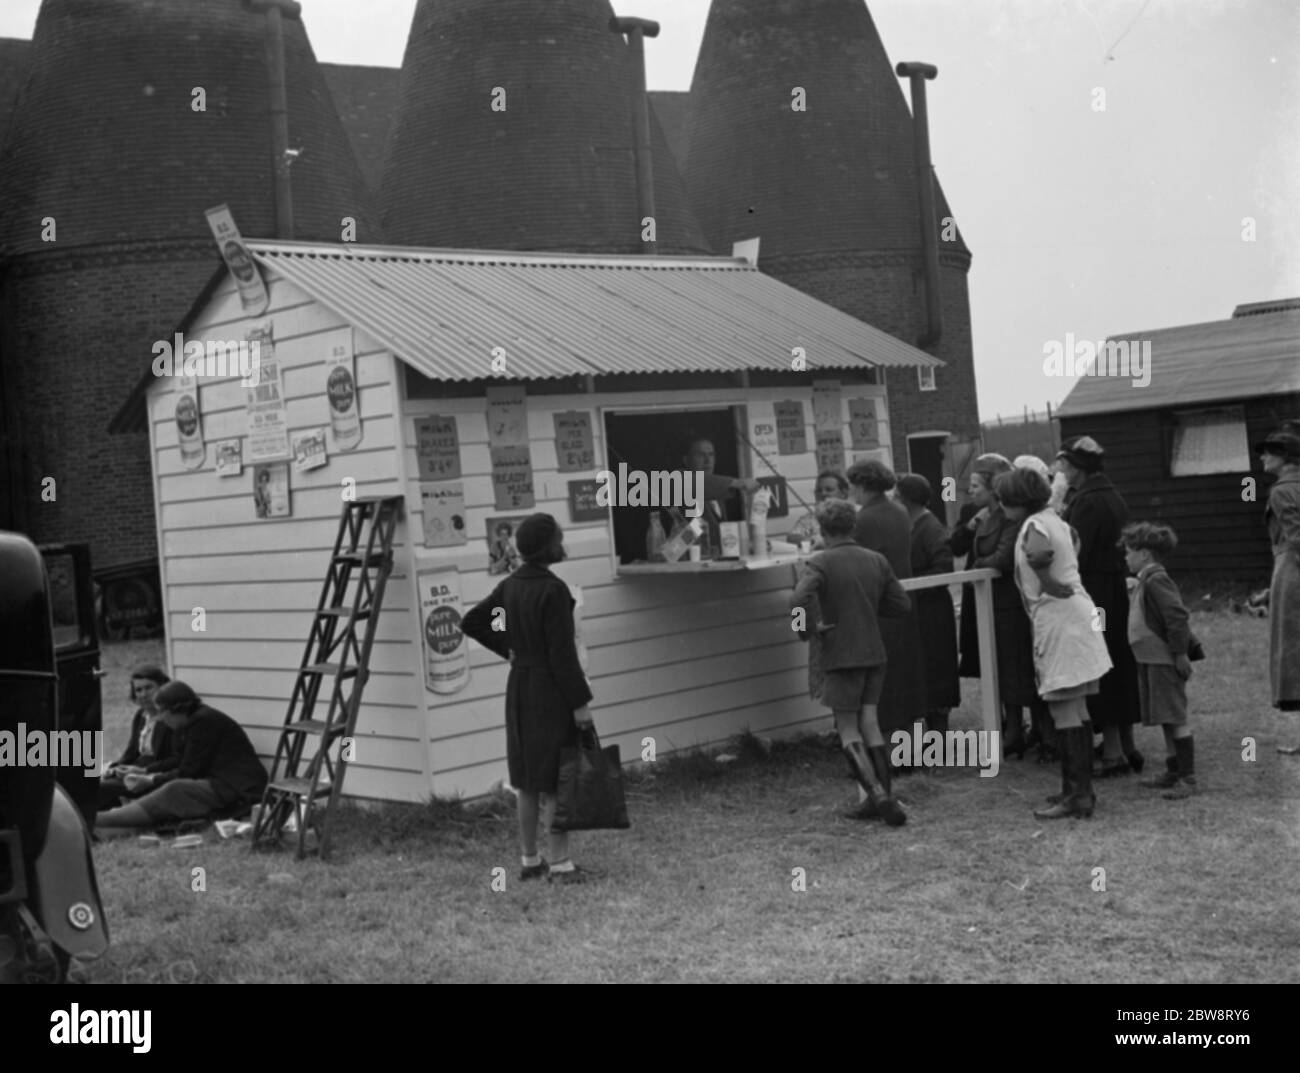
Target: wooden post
(988,662)
(281,157)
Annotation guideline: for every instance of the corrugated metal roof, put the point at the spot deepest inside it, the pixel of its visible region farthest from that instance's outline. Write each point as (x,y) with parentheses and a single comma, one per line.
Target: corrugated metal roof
(556,315)
(1223,360)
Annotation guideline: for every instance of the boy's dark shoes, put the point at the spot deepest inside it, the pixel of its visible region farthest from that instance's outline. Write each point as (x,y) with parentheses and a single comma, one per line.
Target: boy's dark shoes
(1183,789)
(534,871)
(1136,761)
(1109,769)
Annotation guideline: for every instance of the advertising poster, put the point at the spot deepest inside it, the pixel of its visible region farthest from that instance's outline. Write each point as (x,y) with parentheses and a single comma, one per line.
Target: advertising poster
(830,451)
(507,416)
(583,506)
(309,450)
(512,478)
(443,509)
(446,660)
(188,431)
(230,458)
(437,447)
(791,435)
(268,425)
(503,556)
(762,433)
(575,450)
(341,389)
(271,489)
(827,413)
(252,290)
(863,430)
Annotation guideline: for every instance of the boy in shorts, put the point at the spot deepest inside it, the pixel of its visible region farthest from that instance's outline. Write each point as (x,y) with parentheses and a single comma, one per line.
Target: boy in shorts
(843,590)
(1159,634)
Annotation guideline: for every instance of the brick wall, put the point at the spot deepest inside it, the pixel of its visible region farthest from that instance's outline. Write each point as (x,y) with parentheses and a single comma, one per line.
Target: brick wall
(77,331)
(887,290)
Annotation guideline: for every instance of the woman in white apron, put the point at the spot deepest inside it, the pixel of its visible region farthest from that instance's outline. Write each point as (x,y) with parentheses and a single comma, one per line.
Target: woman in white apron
(1069,646)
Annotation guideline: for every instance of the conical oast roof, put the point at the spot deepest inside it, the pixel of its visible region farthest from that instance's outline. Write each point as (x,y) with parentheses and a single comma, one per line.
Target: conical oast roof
(555,169)
(105,139)
(837,176)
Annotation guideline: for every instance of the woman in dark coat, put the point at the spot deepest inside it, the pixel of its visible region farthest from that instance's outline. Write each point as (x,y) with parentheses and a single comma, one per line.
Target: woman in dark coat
(988,540)
(883,526)
(1098,514)
(936,618)
(150,740)
(1280,455)
(528,619)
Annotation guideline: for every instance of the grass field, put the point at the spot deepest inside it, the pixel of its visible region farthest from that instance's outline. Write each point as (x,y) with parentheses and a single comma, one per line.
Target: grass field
(973,889)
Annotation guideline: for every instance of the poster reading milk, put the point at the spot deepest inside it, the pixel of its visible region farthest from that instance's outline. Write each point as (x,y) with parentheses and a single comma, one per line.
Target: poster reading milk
(446,661)
(341,389)
(188,432)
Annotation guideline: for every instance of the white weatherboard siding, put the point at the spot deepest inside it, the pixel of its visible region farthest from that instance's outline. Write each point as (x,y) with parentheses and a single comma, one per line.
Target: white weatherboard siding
(688,660)
(259,580)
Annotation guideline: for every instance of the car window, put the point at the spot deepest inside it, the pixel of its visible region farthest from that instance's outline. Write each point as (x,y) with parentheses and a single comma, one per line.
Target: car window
(62,573)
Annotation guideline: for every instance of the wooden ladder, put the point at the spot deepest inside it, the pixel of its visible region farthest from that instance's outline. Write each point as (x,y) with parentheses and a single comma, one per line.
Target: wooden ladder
(337,657)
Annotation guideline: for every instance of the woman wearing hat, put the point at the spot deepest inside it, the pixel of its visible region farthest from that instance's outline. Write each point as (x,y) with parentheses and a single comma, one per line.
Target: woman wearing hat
(1098,514)
(931,554)
(1280,454)
(150,741)
(528,619)
(988,540)
(215,769)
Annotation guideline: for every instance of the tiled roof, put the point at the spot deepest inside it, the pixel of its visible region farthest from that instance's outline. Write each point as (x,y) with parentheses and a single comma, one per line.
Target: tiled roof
(837,176)
(1193,364)
(15,55)
(561,315)
(671,108)
(554,169)
(106,140)
(366,99)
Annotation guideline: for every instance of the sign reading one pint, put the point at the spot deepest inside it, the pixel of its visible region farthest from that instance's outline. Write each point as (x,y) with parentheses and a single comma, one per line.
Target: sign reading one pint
(252,291)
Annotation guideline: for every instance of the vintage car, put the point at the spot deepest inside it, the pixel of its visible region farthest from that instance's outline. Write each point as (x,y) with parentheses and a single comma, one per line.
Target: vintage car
(50,911)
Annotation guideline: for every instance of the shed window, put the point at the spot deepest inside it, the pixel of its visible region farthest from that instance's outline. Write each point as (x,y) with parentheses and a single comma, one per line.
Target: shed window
(925,377)
(1210,441)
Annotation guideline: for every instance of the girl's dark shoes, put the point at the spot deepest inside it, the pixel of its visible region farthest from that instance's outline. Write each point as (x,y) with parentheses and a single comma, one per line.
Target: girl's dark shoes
(1109,769)
(1166,780)
(534,871)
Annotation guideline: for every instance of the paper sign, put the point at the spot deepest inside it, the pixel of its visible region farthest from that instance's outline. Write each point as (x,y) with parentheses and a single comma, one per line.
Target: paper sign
(507,416)
(271,490)
(437,447)
(512,478)
(443,509)
(229,458)
(574,450)
(341,389)
(791,435)
(446,661)
(503,556)
(827,413)
(252,290)
(268,426)
(830,451)
(762,433)
(582,502)
(780,506)
(309,450)
(188,431)
(863,429)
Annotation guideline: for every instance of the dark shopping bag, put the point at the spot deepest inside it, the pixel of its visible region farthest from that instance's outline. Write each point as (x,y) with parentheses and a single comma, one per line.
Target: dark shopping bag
(590,794)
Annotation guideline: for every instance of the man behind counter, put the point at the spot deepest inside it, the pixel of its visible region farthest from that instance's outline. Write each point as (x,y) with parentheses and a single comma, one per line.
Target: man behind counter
(722,503)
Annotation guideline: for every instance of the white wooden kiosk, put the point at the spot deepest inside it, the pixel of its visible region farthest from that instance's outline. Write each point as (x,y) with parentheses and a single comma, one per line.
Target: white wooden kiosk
(689,655)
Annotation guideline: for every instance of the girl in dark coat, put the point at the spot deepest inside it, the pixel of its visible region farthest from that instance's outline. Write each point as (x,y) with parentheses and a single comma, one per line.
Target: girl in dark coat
(883,526)
(528,619)
(1098,514)
(988,540)
(931,554)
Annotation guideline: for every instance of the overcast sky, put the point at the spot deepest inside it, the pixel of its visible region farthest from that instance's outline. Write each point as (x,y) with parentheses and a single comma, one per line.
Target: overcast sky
(1095,223)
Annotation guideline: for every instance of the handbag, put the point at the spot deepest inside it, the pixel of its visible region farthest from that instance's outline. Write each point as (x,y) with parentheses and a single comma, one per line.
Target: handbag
(590,796)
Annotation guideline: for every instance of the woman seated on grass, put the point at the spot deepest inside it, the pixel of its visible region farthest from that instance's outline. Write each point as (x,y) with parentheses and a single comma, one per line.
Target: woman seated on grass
(150,742)
(215,769)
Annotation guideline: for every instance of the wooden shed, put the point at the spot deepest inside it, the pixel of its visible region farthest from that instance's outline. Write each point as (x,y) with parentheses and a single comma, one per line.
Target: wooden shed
(1179,448)
(584,361)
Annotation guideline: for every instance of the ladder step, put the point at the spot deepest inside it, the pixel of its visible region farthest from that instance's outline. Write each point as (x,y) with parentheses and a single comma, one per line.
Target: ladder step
(298,787)
(342,612)
(316,726)
(360,558)
(328,669)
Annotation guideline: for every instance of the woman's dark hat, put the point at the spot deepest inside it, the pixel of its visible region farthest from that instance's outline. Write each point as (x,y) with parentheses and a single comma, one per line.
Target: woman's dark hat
(1082,452)
(535,534)
(914,488)
(1286,444)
